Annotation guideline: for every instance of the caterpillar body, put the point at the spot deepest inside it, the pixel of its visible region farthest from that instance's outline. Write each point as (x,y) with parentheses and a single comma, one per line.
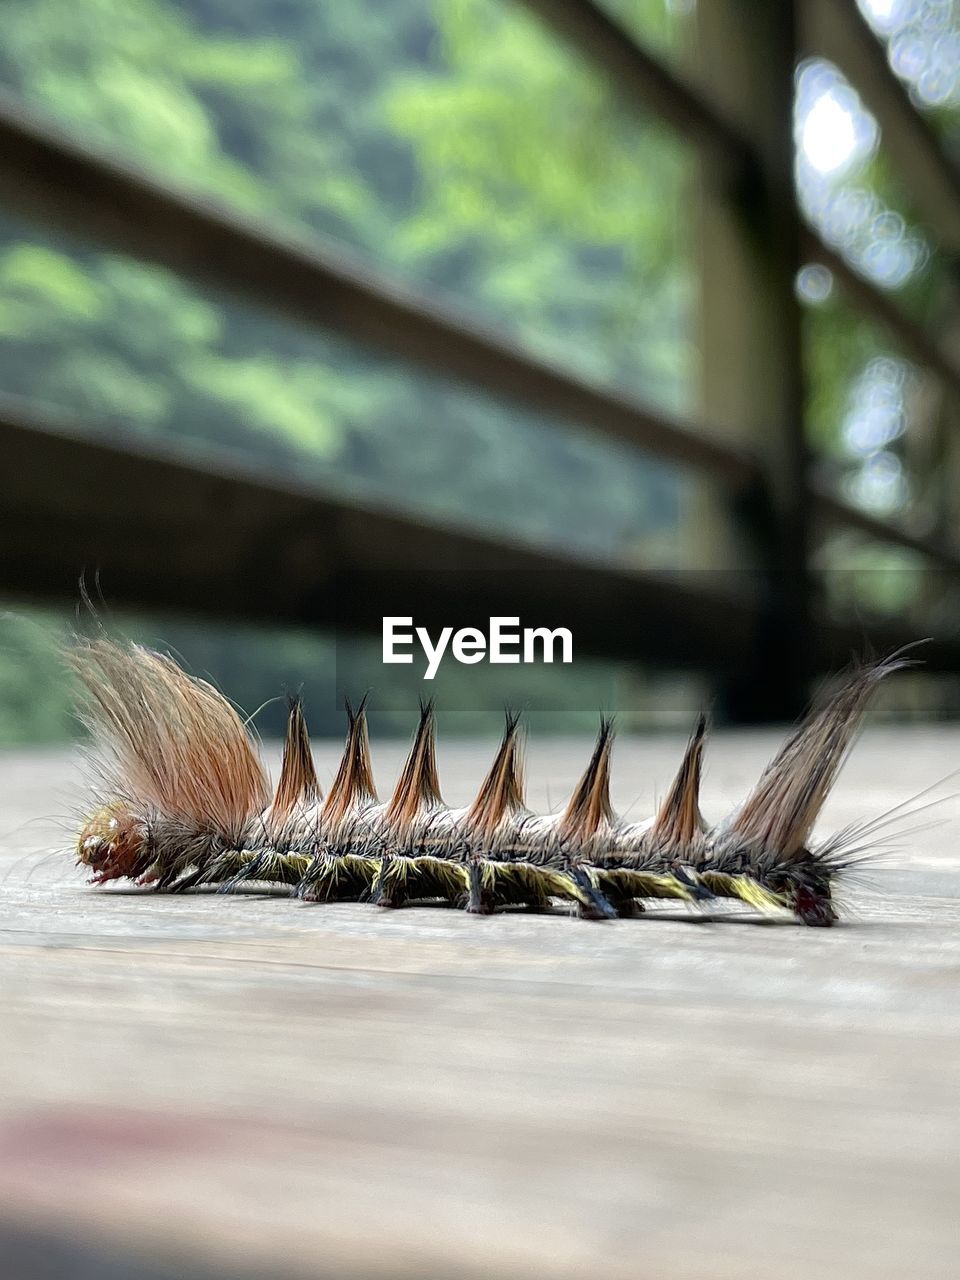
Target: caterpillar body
(186,804)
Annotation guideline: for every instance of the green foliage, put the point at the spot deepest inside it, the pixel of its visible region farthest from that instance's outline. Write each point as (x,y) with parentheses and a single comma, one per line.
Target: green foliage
(568,208)
(837,344)
(453,143)
(462,147)
(36,693)
(49,284)
(457,145)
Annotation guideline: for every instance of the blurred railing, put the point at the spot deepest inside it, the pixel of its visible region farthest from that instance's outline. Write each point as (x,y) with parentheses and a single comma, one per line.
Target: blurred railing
(79,498)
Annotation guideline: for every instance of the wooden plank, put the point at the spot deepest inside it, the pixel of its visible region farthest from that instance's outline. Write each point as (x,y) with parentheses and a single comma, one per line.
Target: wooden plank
(207,1087)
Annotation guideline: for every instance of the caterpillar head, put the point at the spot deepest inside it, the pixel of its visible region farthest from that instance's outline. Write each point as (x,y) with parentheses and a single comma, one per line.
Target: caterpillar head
(113,843)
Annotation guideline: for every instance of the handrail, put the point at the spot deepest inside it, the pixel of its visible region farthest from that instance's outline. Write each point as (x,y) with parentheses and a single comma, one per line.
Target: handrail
(688,108)
(915,341)
(152,515)
(837,30)
(72,185)
(48,175)
(833,509)
(642,77)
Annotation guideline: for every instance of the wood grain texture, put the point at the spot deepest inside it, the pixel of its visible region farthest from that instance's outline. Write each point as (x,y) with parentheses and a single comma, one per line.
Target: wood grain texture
(204,1086)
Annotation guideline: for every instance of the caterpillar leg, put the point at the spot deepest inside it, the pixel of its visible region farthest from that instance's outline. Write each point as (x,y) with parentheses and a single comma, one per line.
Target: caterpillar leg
(422,878)
(345,877)
(430,877)
(189,881)
(517,884)
(168,877)
(199,876)
(506,884)
(481,898)
(389,886)
(594,904)
(812,905)
(523,884)
(628,908)
(224,866)
(621,895)
(744,888)
(623,886)
(269,867)
(250,869)
(575,885)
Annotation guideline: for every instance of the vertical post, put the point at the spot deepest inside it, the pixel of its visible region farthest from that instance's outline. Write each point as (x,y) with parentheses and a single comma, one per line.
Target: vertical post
(750,338)
(942,465)
(941,474)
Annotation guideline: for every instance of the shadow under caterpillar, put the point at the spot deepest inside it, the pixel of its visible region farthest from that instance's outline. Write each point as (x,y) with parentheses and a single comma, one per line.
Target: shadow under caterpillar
(187,804)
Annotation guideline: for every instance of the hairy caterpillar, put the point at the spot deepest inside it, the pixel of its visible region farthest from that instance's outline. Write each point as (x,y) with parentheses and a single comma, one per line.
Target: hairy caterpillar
(187,804)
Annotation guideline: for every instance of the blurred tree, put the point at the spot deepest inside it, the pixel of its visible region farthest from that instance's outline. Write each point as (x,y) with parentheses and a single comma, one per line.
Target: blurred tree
(454,144)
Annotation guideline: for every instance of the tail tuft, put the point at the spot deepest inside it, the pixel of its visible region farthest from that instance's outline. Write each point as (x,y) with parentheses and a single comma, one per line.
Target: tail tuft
(589,807)
(501,792)
(353,785)
(418,788)
(780,813)
(297,784)
(680,821)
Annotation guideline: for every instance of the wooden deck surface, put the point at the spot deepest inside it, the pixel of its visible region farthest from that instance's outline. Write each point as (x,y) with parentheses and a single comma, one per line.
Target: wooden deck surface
(211,1087)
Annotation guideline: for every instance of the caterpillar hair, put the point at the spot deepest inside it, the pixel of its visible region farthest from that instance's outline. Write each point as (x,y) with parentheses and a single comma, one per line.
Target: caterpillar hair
(186,803)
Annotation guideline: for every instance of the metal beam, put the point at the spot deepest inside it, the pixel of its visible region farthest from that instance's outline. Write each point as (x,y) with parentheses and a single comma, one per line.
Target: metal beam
(837,30)
(46,175)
